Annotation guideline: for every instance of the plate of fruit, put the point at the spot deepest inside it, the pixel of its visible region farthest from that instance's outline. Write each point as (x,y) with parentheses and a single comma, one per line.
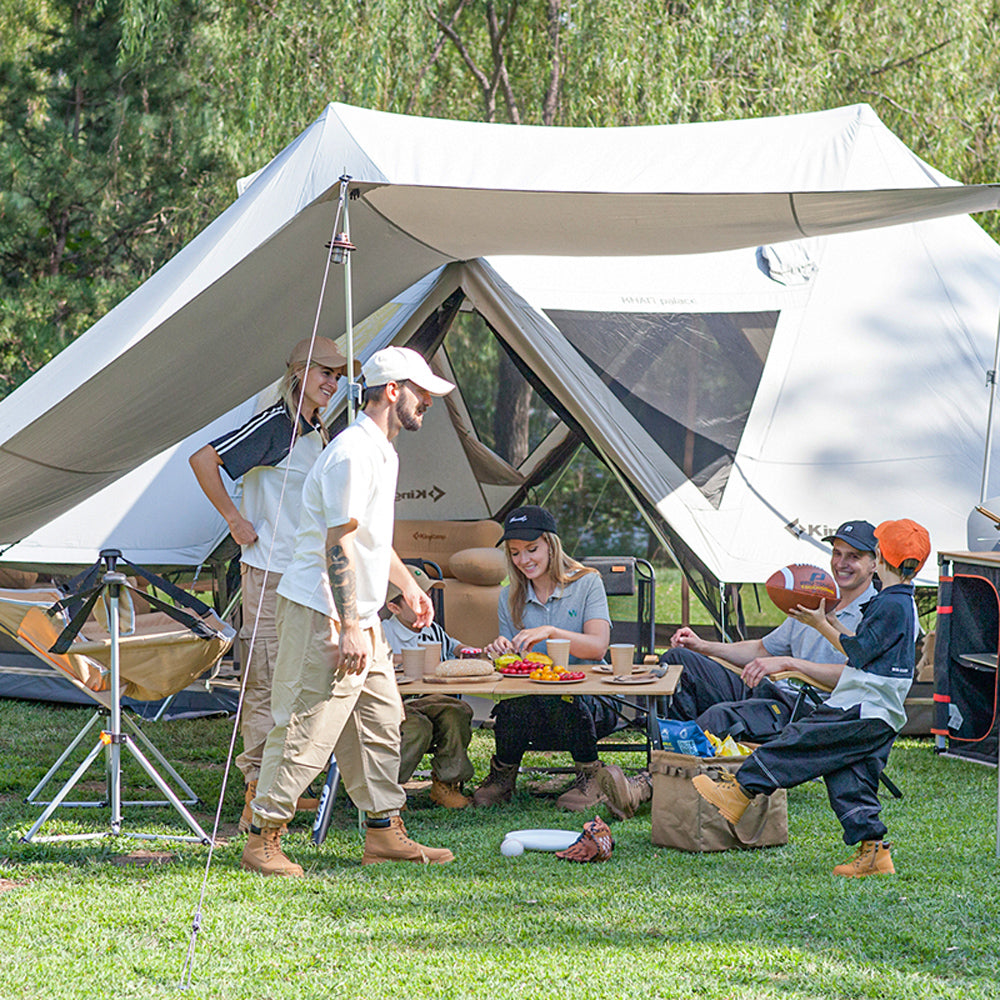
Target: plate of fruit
(556,675)
(512,665)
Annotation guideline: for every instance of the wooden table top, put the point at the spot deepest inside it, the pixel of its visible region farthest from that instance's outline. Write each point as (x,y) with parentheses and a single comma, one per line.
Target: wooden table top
(499,685)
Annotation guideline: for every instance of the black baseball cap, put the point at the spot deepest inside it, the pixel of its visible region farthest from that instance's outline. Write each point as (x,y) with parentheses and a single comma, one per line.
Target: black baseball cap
(527,523)
(858,534)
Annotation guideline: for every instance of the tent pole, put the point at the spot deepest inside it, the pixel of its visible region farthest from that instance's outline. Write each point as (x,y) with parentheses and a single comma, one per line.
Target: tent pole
(991,381)
(353,388)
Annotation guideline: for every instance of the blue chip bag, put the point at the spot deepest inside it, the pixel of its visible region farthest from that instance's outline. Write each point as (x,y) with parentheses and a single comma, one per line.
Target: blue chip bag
(685,737)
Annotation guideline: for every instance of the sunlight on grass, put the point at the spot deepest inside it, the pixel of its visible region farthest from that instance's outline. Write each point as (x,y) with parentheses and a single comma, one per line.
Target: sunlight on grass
(76,922)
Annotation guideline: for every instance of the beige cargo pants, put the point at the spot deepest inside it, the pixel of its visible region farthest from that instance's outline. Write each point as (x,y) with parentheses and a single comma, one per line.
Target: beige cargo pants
(318,712)
(255,716)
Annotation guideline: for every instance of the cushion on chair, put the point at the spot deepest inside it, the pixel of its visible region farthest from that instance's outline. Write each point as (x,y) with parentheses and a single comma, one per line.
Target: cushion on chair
(470,612)
(480,566)
(437,540)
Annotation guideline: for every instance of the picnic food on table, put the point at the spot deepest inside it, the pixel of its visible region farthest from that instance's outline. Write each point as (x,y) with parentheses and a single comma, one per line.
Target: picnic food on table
(463,668)
(547,672)
(532,660)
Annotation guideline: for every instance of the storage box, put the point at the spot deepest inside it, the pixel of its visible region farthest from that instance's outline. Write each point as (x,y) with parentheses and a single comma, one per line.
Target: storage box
(682,819)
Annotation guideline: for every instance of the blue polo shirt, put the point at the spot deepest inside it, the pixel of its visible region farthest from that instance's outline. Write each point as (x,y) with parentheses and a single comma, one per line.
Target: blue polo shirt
(568,608)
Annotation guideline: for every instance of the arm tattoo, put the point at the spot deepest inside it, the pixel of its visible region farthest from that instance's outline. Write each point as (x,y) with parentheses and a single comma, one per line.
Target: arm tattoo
(342,583)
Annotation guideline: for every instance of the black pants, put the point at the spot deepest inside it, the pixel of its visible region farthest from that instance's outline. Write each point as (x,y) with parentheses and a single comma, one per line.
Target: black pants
(840,747)
(721,703)
(552,723)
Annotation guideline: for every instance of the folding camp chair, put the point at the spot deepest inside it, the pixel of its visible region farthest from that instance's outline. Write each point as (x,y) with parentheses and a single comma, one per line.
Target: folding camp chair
(144,656)
(629,576)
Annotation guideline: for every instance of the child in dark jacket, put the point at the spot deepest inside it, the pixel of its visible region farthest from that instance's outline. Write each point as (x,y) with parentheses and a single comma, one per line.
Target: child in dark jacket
(846,741)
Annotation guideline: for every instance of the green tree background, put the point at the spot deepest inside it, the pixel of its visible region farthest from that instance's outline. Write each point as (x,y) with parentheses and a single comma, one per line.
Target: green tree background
(124,124)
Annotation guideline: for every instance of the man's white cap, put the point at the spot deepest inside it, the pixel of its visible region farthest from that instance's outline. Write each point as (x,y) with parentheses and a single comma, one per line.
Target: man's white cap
(401,364)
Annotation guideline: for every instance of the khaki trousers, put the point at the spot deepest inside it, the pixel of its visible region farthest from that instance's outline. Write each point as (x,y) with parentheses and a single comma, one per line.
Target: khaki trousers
(440,725)
(318,711)
(255,717)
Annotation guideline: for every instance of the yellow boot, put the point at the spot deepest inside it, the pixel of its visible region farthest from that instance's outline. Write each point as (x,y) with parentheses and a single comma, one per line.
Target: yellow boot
(871,858)
(726,794)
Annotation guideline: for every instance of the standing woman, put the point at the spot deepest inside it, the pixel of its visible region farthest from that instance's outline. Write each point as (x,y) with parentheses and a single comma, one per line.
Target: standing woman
(550,596)
(261,451)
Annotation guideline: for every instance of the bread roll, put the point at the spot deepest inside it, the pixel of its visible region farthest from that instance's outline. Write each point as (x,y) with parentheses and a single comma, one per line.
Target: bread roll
(464,668)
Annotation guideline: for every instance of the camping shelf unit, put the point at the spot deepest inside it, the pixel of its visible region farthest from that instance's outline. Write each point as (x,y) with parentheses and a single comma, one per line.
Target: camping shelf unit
(965,657)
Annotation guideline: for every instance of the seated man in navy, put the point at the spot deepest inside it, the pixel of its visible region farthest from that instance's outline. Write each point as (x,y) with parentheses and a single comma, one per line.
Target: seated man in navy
(750,705)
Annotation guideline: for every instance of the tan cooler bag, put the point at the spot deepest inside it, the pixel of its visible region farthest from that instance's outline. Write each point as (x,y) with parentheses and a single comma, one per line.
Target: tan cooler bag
(684,820)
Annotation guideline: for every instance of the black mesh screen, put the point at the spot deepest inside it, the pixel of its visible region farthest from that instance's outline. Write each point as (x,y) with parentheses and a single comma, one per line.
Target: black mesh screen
(688,378)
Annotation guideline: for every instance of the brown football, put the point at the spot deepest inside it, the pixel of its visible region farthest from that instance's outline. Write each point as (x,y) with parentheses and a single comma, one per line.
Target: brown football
(802,584)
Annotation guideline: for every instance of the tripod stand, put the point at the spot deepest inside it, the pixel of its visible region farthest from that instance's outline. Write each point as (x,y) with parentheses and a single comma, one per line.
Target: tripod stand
(112,740)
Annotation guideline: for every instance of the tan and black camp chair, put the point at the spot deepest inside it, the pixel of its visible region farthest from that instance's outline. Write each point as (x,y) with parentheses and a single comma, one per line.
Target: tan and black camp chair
(158,655)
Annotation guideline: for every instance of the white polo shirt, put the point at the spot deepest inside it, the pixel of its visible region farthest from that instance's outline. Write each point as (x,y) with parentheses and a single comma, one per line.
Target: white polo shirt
(354,479)
(272,480)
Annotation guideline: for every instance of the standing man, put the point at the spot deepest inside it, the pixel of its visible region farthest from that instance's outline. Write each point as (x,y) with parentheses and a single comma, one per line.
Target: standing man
(751,705)
(334,688)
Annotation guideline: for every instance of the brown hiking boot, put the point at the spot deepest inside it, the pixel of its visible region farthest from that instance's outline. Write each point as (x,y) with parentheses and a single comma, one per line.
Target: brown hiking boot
(585,793)
(448,794)
(263,854)
(872,858)
(726,794)
(624,795)
(498,786)
(391,843)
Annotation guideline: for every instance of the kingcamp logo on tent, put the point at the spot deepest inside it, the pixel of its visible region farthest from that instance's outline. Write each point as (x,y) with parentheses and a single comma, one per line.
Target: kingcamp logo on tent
(434,493)
(812,530)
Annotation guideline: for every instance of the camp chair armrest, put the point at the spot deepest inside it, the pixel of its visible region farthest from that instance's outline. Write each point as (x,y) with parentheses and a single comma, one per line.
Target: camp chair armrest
(729,666)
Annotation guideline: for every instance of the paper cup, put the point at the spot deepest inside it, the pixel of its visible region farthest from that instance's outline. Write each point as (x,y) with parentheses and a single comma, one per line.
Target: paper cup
(622,655)
(558,649)
(413,662)
(432,657)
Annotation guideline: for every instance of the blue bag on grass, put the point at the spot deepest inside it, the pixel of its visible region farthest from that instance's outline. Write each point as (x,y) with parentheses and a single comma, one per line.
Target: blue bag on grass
(685,737)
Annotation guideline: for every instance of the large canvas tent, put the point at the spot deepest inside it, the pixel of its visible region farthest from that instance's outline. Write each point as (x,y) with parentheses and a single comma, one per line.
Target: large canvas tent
(748,392)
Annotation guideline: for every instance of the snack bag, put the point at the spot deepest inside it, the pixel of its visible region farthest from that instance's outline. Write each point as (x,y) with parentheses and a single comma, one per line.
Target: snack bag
(685,737)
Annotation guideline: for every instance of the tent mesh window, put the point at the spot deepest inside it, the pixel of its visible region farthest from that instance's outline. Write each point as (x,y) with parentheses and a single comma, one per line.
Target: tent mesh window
(688,378)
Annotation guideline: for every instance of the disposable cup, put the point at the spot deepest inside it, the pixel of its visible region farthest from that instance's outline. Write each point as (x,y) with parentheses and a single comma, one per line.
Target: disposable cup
(432,657)
(413,662)
(622,656)
(559,651)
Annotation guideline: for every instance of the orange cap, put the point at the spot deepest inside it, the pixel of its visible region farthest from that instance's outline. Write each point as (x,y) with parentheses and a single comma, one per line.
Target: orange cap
(899,541)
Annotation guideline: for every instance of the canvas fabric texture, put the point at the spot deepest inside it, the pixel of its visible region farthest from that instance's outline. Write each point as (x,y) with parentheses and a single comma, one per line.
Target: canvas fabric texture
(683,820)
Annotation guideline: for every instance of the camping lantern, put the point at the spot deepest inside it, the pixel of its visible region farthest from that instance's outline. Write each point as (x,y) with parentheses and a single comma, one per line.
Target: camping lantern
(340,248)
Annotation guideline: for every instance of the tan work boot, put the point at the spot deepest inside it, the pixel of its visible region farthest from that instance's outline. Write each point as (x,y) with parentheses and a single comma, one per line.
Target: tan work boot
(498,786)
(872,858)
(391,843)
(624,795)
(726,794)
(246,817)
(305,804)
(448,794)
(263,854)
(585,793)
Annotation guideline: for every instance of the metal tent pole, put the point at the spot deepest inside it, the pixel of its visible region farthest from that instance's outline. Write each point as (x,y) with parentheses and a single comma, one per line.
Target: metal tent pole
(991,381)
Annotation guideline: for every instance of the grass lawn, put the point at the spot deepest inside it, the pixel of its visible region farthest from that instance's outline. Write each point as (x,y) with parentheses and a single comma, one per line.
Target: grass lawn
(75,921)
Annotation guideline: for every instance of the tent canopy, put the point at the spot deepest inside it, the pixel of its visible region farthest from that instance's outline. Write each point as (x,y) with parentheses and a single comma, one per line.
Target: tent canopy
(203,334)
